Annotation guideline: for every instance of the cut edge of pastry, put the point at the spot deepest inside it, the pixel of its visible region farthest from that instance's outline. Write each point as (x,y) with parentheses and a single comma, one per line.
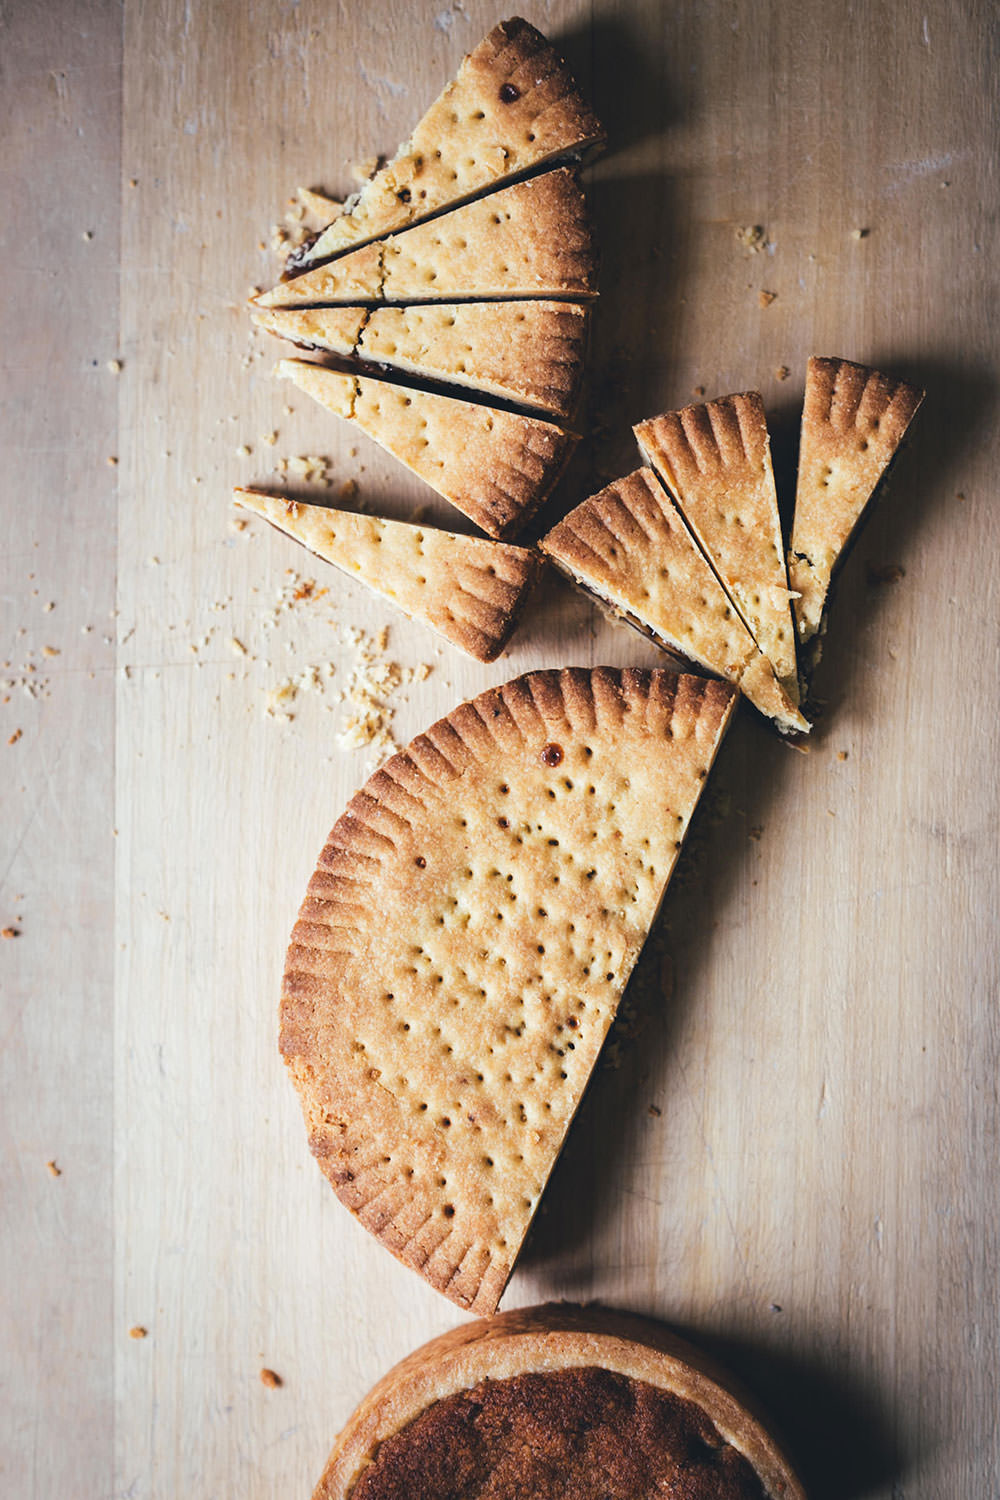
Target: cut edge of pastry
(485,110)
(544,372)
(551,1338)
(756,677)
(709,456)
(854,420)
(468,794)
(496,467)
(470,590)
(527,240)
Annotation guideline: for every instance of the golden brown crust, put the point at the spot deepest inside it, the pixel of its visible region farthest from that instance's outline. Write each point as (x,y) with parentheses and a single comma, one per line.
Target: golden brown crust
(630,546)
(468,589)
(494,466)
(533,239)
(715,459)
(548,1338)
(853,421)
(336,330)
(464,943)
(513,106)
(528,352)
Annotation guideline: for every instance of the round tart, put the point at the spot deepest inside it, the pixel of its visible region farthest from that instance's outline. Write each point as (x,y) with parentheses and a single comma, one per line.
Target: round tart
(557,1401)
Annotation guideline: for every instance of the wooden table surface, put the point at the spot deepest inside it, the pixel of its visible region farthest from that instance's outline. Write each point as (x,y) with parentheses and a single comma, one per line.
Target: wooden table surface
(814,1195)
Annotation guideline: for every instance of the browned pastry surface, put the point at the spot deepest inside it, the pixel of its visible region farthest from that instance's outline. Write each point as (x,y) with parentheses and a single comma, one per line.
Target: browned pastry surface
(715,459)
(587,1432)
(630,547)
(853,421)
(533,239)
(494,466)
(502,1407)
(529,352)
(512,106)
(468,589)
(464,944)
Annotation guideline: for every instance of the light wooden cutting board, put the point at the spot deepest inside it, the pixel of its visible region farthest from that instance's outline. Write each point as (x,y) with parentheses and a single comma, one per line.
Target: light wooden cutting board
(791,1151)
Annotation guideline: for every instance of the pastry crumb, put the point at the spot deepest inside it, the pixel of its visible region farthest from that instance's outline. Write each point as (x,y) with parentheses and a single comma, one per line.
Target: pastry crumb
(115,366)
(755,833)
(699,391)
(244,450)
(13,738)
(841,754)
(270,1378)
(782,372)
(137,1331)
(655,1111)
(52,1169)
(751,237)
(362,170)
(113,460)
(309,467)
(50,651)
(860,234)
(9,933)
(268,439)
(765,298)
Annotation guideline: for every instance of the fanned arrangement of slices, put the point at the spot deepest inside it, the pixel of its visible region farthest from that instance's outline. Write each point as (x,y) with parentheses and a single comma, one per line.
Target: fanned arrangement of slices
(478,908)
(692,554)
(456,267)
(512,108)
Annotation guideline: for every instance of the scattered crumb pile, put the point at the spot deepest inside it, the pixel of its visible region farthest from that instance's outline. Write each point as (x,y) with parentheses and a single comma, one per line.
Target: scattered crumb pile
(305,214)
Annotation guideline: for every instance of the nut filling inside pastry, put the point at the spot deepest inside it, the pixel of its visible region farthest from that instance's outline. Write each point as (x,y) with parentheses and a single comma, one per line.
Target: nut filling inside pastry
(587,1432)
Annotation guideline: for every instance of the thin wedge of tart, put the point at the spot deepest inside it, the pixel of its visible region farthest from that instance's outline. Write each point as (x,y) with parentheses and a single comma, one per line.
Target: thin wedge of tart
(530,353)
(468,589)
(494,466)
(853,422)
(512,107)
(715,460)
(533,239)
(629,547)
(465,941)
(558,1401)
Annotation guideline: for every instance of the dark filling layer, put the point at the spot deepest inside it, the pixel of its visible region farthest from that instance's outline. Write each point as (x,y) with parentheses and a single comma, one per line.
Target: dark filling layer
(585,1434)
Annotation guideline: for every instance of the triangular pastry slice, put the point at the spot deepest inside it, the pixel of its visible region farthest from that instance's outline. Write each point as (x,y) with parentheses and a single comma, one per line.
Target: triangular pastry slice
(715,459)
(464,944)
(531,353)
(494,466)
(468,589)
(629,546)
(853,422)
(530,240)
(512,107)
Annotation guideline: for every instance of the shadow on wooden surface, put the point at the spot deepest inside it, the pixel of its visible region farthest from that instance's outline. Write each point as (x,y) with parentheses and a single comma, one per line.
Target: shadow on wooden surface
(833,1422)
(585,1190)
(919,489)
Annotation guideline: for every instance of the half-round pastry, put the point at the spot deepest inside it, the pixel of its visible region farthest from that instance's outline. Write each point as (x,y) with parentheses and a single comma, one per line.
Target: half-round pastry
(548,1402)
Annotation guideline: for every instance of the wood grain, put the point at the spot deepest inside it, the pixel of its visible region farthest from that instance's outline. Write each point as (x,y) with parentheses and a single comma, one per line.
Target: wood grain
(59,182)
(815,1200)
